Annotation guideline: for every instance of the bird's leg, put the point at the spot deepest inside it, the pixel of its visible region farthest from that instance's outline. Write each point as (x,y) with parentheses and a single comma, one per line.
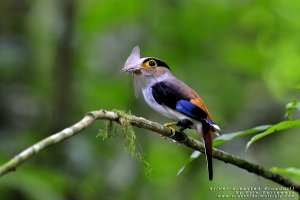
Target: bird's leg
(168,125)
(184,123)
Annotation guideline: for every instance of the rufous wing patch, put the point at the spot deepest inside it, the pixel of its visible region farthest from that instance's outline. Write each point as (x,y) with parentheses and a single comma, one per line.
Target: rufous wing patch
(199,102)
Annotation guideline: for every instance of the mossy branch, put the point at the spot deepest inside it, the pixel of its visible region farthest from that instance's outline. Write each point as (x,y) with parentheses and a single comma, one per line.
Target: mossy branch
(125,120)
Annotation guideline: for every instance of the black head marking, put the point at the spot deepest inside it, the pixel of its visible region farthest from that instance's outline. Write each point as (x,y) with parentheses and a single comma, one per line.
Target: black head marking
(160,63)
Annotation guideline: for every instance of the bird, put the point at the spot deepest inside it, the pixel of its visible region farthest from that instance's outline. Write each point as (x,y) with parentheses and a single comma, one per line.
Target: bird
(172,98)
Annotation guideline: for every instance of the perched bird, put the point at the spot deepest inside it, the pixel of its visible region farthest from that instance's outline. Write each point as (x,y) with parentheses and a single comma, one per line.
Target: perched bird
(172,98)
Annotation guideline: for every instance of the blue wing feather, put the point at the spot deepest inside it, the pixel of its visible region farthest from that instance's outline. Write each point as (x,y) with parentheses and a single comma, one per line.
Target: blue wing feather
(193,111)
(186,107)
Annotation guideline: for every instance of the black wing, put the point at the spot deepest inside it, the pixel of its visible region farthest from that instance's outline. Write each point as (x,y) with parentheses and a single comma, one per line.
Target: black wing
(168,94)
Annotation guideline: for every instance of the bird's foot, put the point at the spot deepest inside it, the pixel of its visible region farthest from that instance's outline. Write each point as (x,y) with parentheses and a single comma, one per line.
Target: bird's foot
(173,130)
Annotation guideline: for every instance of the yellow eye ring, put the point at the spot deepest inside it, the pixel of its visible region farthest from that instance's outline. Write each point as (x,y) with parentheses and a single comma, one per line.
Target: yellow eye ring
(152,63)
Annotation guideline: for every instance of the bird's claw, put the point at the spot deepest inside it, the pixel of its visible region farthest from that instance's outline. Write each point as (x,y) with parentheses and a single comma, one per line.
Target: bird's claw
(173,130)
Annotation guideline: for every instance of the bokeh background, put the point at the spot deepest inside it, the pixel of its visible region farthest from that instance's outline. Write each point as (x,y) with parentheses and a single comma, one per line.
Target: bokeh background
(60,59)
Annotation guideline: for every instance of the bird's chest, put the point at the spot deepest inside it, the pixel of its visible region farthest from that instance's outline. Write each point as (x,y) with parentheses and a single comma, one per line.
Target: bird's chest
(148,96)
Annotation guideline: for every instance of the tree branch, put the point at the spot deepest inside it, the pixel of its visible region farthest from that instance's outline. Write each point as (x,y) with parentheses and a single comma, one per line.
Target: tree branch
(180,137)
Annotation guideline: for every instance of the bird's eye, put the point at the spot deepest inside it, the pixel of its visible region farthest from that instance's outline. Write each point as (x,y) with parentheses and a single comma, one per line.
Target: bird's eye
(152,63)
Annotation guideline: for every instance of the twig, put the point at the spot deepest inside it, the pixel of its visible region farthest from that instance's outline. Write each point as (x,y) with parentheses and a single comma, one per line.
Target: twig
(146,124)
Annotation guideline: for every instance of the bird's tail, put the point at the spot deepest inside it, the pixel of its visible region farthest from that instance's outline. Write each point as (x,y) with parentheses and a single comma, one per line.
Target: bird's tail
(207,130)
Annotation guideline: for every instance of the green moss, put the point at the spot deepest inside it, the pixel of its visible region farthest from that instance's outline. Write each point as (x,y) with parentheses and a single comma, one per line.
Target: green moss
(104,134)
(130,141)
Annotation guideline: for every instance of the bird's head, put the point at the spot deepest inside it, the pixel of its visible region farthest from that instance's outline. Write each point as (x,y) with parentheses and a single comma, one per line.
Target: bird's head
(144,66)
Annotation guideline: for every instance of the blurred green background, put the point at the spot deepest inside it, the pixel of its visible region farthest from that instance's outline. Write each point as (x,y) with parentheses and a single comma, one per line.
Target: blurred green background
(61,59)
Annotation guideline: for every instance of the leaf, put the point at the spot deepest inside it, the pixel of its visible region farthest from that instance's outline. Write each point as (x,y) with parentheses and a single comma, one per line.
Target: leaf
(294,104)
(277,127)
(192,157)
(227,137)
(291,171)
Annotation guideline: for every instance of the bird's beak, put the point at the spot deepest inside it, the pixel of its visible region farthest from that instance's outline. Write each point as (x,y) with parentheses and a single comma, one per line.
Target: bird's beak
(131,68)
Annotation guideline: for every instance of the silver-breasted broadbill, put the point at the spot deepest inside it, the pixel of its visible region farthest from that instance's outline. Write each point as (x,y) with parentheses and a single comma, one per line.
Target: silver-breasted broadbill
(172,98)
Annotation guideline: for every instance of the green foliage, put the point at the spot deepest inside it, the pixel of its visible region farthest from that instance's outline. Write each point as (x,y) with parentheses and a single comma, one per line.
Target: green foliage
(290,107)
(284,125)
(229,136)
(290,171)
(192,157)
